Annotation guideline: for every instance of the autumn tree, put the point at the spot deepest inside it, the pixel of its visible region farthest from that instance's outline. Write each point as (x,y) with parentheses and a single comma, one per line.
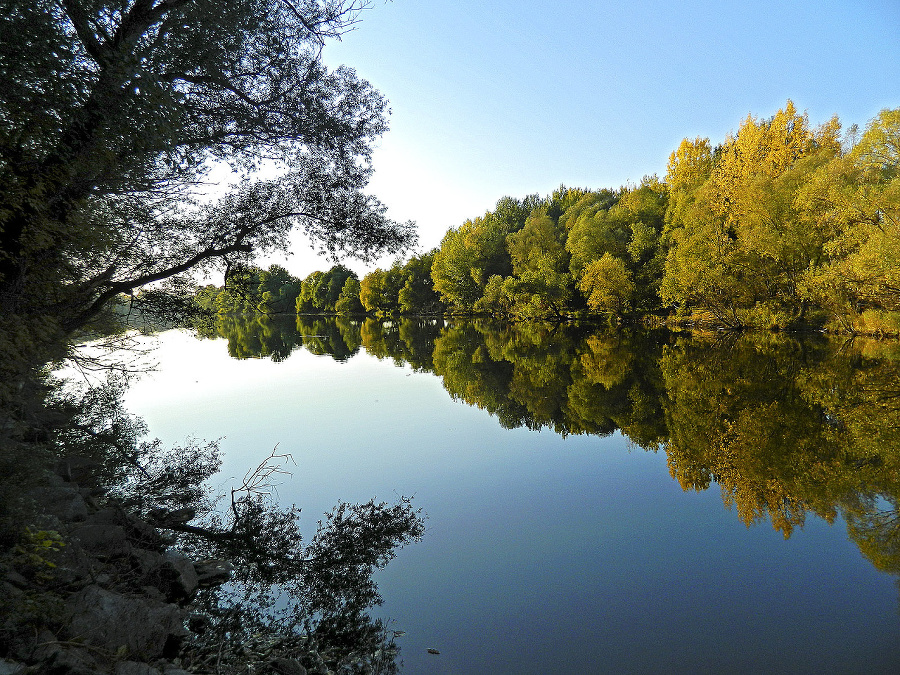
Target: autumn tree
(607,285)
(857,197)
(739,241)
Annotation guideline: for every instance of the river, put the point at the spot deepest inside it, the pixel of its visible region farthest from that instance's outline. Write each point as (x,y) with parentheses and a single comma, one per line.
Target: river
(597,501)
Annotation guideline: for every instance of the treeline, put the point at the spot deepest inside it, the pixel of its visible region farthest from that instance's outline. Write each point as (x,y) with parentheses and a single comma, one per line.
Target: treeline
(249,290)
(404,288)
(781,225)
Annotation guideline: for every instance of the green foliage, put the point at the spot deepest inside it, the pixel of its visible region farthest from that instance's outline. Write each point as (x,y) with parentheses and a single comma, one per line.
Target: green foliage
(348,302)
(35,552)
(782,221)
(531,270)
(607,285)
(110,116)
(777,227)
(471,254)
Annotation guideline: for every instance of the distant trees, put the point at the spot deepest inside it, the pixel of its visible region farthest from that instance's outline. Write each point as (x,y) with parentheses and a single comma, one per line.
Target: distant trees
(537,263)
(321,291)
(405,288)
(781,225)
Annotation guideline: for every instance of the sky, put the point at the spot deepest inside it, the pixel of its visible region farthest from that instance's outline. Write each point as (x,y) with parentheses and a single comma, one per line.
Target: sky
(515,97)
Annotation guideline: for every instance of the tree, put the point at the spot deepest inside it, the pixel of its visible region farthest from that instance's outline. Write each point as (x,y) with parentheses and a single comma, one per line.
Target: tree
(541,268)
(591,232)
(277,291)
(417,296)
(348,302)
(607,285)
(477,250)
(857,197)
(111,113)
(371,290)
(309,300)
(282,591)
(739,240)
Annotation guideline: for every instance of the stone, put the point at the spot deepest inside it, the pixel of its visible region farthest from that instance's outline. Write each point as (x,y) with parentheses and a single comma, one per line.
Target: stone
(143,533)
(166,518)
(62,501)
(46,646)
(16,579)
(147,628)
(11,667)
(70,662)
(102,539)
(77,469)
(134,668)
(146,562)
(283,666)
(11,592)
(179,573)
(212,572)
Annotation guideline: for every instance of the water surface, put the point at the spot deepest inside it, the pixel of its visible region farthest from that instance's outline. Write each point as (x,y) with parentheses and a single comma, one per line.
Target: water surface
(597,502)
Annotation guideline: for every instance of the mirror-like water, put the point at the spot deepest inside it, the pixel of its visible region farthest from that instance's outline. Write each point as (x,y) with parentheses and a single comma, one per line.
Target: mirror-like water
(597,502)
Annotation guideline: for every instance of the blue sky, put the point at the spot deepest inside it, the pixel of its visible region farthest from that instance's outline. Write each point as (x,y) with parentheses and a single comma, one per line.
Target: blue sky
(510,98)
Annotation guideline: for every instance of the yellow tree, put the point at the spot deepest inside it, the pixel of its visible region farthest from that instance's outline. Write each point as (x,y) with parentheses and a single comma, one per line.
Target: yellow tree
(858,196)
(743,226)
(607,285)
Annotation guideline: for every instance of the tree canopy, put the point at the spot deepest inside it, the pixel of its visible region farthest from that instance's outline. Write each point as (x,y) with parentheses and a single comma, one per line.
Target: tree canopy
(111,118)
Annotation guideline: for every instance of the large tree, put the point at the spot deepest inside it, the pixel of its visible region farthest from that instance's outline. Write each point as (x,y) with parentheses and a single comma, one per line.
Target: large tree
(113,113)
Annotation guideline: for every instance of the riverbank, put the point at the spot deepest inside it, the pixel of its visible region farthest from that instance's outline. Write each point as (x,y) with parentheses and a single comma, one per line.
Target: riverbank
(93,589)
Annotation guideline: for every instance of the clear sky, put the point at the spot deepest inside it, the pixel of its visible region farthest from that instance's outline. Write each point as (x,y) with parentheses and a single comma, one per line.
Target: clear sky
(517,97)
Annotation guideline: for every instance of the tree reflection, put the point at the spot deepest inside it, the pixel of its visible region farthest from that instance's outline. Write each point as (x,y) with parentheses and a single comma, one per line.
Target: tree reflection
(785,427)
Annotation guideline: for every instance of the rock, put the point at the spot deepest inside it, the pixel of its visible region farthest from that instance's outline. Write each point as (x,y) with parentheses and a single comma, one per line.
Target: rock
(147,628)
(146,562)
(70,662)
(103,540)
(179,575)
(283,666)
(46,646)
(77,469)
(212,572)
(16,579)
(143,533)
(166,518)
(11,667)
(134,668)
(153,593)
(10,592)
(62,501)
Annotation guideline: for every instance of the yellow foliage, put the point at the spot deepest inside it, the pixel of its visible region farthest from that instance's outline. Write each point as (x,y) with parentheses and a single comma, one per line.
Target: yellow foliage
(690,164)
(607,284)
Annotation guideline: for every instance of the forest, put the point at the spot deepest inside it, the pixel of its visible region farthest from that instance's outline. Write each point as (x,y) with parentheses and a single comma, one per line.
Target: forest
(778,226)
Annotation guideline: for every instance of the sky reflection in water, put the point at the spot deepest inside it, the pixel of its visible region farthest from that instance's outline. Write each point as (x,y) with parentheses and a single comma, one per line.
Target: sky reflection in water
(543,553)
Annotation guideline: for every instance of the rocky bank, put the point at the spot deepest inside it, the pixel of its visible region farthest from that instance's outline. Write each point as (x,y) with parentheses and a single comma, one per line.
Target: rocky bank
(99,591)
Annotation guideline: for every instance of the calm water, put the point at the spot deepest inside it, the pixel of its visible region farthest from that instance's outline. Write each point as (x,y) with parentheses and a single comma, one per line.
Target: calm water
(621,503)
